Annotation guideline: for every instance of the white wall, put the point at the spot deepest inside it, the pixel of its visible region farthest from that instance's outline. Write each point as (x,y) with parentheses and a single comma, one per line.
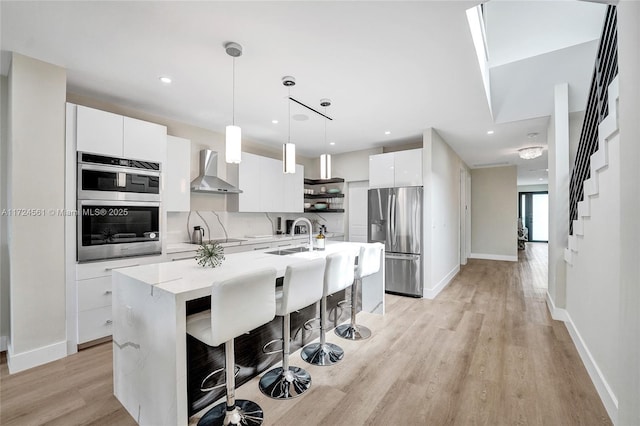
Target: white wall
(353,166)
(4,248)
(629,314)
(441,227)
(494,213)
(532,188)
(559,178)
(592,282)
(575,130)
(37,93)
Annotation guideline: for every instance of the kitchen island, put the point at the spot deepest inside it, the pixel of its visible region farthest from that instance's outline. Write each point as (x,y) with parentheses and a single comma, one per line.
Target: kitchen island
(149,325)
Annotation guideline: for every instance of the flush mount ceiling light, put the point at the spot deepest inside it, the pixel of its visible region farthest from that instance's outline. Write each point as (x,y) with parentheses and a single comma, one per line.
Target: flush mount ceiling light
(289,149)
(325,159)
(165,80)
(530,152)
(233,146)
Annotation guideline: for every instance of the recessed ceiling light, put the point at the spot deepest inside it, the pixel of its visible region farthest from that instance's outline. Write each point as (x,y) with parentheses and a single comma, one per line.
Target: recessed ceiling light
(387,132)
(165,80)
(540,179)
(332,143)
(489,132)
(274,121)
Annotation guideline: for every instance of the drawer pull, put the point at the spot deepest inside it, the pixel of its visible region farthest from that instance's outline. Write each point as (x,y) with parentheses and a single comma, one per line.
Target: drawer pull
(182,258)
(119,267)
(108,293)
(108,322)
(260,248)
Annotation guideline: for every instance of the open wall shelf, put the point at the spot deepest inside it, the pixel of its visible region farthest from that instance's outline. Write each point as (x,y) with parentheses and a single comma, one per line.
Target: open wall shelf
(325,195)
(322,181)
(324,211)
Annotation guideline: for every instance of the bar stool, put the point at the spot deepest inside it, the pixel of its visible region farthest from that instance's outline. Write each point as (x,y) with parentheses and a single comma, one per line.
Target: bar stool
(368,264)
(338,275)
(238,305)
(302,286)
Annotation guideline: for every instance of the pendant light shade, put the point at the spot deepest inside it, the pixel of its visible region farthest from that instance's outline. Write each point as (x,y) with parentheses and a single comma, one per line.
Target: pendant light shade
(289,158)
(289,149)
(325,166)
(325,159)
(233,145)
(233,148)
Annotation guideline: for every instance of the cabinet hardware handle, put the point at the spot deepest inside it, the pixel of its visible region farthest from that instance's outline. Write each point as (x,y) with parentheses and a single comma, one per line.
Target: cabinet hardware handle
(119,267)
(182,258)
(108,292)
(108,322)
(260,248)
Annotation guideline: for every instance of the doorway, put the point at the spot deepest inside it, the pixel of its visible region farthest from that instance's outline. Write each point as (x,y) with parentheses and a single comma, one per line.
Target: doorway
(533,209)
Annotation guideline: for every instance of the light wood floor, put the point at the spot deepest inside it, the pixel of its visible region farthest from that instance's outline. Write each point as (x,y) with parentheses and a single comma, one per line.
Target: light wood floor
(484,352)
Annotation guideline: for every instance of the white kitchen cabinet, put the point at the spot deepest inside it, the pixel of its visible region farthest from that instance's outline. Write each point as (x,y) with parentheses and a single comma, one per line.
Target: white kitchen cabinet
(293,191)
(266,189)
(144,141)
(401,168)
(94,324)
(177,175)
(408,167)
(249,182)
(99,132)
(271,185)
(105,133)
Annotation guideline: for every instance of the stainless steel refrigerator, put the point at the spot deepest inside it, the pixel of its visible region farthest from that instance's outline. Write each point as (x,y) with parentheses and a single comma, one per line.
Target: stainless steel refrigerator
(395,219)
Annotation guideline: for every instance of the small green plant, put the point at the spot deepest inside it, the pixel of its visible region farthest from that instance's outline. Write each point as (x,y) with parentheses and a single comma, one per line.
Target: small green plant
(210,254)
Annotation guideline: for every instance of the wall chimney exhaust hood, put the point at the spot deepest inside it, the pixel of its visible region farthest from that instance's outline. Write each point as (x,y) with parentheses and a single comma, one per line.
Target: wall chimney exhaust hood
(208,181)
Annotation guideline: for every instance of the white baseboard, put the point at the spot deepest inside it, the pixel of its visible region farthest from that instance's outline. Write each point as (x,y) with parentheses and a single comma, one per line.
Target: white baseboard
(36,357)
(602,386)
(431,293)
(557,314)
(3,343)
(493,257)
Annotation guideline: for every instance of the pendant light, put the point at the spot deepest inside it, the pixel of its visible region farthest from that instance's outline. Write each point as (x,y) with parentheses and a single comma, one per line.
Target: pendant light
(233,138)
(289,149)
(325,159)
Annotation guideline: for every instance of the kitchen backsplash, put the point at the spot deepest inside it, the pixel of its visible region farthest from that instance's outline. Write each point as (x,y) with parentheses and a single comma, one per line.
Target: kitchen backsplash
(239,225)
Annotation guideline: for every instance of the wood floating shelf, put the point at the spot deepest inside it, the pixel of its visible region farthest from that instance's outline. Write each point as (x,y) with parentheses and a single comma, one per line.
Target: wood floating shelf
(324,211)
(325,195)
(322,181)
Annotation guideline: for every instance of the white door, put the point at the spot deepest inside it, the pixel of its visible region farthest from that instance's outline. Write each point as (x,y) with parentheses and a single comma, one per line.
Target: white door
(358,203)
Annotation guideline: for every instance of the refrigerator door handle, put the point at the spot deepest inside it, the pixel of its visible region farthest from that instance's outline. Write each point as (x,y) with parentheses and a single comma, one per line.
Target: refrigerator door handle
(402,256)
(389,242)
(392,219)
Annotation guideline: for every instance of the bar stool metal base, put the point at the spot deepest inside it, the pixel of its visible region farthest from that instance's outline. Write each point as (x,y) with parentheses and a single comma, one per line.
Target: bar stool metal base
(322,354)
(245,413)
(353,332)
(280,384)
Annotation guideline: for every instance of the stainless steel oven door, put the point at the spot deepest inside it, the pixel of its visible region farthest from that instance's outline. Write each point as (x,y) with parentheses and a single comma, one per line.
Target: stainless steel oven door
(105,182)
(112,229)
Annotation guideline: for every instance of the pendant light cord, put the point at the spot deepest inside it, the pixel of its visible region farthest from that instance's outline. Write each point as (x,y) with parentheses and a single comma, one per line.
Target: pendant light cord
(289,115)
(233,94)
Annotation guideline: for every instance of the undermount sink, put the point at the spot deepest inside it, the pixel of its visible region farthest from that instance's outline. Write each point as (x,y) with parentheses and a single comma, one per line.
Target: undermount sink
(286,251)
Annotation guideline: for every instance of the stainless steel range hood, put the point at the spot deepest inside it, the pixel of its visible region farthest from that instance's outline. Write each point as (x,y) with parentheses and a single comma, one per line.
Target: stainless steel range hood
(208,181)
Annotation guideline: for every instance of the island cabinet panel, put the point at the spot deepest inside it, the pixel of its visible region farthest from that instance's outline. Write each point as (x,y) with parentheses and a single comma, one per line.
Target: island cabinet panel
(202,359)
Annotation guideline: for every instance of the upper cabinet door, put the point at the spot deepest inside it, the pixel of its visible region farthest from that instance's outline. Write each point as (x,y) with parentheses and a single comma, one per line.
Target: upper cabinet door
(144,141)
(249,178)
(271,185)
(177,175)
(293,191)
(408,167)
(381,174)
(99,132)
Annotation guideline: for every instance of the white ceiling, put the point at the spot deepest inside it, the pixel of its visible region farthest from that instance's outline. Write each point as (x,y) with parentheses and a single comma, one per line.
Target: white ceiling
(387,66)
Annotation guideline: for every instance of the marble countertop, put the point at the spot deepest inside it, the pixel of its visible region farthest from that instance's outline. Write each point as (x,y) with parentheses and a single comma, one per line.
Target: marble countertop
(187,278)
(182,247)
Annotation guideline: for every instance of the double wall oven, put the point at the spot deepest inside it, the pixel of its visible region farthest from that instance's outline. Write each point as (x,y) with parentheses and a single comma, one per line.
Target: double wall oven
(118,207)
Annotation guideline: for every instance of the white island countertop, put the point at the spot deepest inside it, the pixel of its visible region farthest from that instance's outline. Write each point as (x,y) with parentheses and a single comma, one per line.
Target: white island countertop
(149,324)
